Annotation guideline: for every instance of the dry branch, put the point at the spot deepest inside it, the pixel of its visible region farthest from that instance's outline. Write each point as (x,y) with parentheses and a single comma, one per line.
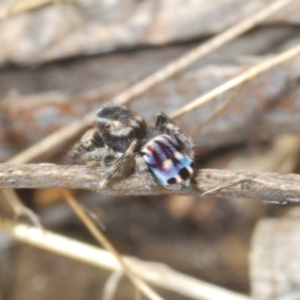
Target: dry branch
(269,187)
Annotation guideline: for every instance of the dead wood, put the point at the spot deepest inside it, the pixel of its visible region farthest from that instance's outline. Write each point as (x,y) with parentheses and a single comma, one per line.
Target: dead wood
(275,258)
(95,27)
(268,187)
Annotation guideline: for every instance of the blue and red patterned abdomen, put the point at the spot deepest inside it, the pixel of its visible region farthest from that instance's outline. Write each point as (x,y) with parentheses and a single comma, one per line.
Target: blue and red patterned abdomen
(167,160)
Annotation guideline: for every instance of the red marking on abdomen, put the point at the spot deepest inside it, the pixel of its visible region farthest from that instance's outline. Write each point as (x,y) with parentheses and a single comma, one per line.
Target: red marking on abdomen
(150,149)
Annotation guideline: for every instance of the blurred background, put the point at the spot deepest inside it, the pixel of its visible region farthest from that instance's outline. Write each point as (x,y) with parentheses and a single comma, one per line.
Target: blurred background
(60,60)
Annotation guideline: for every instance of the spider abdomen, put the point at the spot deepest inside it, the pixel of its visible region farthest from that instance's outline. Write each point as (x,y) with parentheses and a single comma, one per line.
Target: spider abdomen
(167,160)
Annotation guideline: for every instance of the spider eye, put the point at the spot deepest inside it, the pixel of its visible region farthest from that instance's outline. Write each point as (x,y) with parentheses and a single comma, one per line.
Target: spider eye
(107,125)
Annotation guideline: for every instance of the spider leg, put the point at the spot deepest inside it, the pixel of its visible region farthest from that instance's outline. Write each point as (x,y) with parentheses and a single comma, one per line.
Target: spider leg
(165,125)
(90,150)
(119,164)
(85,144)
(142,168)
(103,157)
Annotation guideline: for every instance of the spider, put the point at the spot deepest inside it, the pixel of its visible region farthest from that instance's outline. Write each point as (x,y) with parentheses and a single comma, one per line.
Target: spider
(121,142)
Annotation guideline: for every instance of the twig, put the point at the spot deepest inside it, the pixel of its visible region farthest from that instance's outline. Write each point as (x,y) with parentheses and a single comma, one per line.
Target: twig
(156,273)
(269,187)
(236,81)
(137,282)
(68,132)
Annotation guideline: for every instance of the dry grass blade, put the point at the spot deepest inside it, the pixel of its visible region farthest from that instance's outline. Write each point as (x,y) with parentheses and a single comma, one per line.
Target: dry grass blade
(219,109)
(51,141)
(68,132)
(137,282)
(111,285)
(17,7)
(188,59)
(155,273)
(19,208)
(238,80)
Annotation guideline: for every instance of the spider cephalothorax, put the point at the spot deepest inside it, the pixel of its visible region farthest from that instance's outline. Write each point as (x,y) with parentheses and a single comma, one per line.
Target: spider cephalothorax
(118,126)
(122,141)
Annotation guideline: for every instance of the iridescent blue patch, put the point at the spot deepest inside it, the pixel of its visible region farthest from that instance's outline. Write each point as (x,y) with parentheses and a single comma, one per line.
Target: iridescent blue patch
(167,160)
